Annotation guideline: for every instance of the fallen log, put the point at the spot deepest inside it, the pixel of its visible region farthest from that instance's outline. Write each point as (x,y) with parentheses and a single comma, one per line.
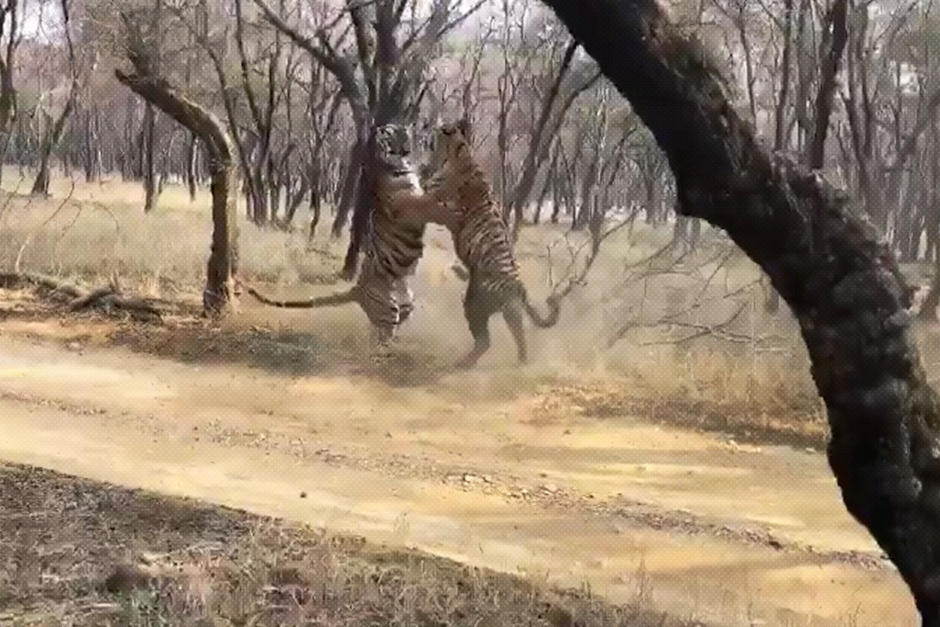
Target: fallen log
(77,298)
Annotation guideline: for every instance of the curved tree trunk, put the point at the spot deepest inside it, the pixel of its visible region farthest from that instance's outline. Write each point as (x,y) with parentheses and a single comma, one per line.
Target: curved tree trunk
(840,280)
(51,142)
(219,294)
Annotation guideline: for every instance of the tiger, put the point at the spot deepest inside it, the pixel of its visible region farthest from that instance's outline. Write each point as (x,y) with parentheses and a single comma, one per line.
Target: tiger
(394,239)
(482,242)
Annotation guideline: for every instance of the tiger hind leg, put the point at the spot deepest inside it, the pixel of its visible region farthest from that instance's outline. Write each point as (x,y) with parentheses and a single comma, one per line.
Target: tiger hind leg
(478,316)
(380,344)
(514,315)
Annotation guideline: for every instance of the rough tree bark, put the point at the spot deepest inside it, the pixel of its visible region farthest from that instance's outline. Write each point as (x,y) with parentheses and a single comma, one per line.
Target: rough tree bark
(839,278)
(219,294)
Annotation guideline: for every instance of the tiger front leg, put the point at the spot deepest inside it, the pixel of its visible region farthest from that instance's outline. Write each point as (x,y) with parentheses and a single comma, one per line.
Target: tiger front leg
(419,208)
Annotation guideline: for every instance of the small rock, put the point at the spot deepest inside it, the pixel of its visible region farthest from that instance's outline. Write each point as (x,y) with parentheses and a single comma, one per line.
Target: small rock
(303,495)
(551,488)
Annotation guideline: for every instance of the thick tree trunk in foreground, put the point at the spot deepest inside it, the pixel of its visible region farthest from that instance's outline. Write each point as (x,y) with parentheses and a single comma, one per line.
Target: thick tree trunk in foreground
(223,259)
(838,277)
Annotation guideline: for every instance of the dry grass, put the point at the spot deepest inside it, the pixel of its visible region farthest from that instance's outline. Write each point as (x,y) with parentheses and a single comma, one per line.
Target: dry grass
(755,368)
(97,230)
(87,554)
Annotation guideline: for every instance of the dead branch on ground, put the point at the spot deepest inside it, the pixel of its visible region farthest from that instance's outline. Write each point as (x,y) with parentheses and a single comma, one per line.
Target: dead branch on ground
(76,298)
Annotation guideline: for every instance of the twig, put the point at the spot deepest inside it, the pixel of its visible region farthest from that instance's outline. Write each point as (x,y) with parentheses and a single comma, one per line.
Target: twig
(580,277)
(29,238)
(65,229)
(699,330)
(12,195)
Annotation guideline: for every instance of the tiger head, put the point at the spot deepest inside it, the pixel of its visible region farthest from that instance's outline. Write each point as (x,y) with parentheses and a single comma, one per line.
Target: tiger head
(391,148)
(449,140)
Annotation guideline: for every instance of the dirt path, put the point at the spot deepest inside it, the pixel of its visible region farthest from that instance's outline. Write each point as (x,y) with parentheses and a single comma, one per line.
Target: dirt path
(733,534)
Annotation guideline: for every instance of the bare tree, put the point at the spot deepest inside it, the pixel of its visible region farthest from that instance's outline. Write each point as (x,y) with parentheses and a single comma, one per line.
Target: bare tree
(392,55)
(54,133)
(554,108)
(836,35)
(146,82)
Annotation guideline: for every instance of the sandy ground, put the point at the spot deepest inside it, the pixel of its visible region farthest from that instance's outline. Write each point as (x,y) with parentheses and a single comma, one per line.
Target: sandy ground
(735,534)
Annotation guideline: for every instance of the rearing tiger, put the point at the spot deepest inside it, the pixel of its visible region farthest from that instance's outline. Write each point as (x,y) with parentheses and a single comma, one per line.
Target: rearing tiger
(394,241)
(482,242)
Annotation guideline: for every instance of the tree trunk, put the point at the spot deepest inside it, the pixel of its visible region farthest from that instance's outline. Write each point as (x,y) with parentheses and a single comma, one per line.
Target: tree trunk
(274,193)
(91,154)
(780,112)
(316,197)
(837,21)
(350,184)
(362,201)
(556,201)
(51,142)
(294,199)
(540,140)
(219,294)
(191,165)
(839,278)
(537,216)
(8,96)
(358,228)
(148,136)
